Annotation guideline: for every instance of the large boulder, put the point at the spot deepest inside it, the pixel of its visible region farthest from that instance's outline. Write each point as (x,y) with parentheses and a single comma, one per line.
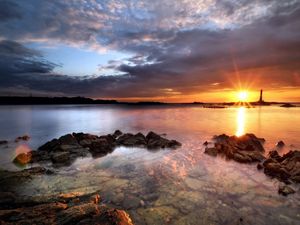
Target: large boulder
(211,151)
(101,145)
(132,140)
(285,168)
(50,145)
(244,149)
(60,157)
(156,141)
(285,190)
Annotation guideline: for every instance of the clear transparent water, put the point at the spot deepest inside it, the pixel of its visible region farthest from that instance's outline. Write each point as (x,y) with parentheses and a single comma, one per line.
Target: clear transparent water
(182,186)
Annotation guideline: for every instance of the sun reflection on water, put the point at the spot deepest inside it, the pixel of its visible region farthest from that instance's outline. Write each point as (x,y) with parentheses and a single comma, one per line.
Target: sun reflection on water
(240,119)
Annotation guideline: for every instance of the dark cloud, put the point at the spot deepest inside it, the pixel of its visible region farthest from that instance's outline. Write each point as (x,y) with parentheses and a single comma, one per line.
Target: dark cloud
(178,47)
(9,10)
(15,58)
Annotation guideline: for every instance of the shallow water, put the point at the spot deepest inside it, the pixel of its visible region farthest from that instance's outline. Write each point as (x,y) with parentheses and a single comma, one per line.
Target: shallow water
(182,186)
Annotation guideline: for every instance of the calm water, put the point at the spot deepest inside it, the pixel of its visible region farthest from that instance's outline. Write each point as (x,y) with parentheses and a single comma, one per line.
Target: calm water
(182,186)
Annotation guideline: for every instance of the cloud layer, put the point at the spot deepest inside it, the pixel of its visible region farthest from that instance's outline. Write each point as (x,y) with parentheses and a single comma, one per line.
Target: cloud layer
(179,48)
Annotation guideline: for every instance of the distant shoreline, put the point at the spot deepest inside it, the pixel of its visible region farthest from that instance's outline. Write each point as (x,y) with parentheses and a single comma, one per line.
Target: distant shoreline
(17,100)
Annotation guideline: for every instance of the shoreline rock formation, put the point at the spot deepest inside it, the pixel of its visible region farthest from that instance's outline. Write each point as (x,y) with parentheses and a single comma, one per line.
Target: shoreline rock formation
(249,149)
(64,150)
(67,208)
(70,208)
(244,149)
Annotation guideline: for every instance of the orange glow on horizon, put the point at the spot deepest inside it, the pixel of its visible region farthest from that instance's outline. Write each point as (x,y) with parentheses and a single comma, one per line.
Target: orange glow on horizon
(222,95)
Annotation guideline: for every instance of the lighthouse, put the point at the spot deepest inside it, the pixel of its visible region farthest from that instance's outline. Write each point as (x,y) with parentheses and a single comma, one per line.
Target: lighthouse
(261,96)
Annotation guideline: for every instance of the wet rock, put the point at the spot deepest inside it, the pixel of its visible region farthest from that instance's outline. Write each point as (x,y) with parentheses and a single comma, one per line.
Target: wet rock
(244,149)
(285,190)
(117,133)
(259,166)
(280,144)
(67,148)
(131,140)
(60,157)
(211,151)
(156,141)
(110,217)
(206,143)
(11,179)
(60,210)
(274,155)
(22,138)
(131,202)
(285,168)
(3,142)
(6,199)
(68,139)
(50,145)
(101,145)
(288,105)
(23,158)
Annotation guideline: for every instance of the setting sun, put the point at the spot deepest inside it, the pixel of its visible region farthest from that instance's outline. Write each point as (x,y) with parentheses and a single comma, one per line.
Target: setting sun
(243,96)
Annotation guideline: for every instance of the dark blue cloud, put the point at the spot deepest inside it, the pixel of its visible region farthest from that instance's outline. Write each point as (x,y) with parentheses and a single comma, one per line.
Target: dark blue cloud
(182,46)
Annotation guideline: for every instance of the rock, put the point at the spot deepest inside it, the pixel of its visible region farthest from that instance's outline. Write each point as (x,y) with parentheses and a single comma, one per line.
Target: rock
(70,146)
(22,138)
(131,202)
(10,179)
(23,158)
(113,217)
(3,142)
(61,157)
(101,145)
(280,144)
(6,199)
(285,168)
(76,213)
(117,133)
(288,105)
(259,166)
(62,209)
(50,145)
(285,190)
(205,143)
(68,139)
(125,139)
(274,155)
(244,149)
(211,151)
(155,141)
(274,169)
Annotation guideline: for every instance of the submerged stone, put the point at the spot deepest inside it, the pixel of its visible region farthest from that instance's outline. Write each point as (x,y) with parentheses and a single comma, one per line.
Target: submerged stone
(285,190)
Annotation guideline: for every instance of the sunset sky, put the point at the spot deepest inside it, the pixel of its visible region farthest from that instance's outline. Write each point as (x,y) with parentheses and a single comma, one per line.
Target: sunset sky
(161,50)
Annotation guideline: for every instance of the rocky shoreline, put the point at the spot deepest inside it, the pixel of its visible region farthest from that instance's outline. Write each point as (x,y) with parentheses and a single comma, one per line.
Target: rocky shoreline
(65,209)
(79,208)
(249,149)
(64,150)
(70,208)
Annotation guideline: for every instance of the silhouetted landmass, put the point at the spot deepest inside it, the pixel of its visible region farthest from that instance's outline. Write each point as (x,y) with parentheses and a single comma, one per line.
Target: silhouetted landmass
(147,103)
(17,100)
(5,100)
(288,105)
